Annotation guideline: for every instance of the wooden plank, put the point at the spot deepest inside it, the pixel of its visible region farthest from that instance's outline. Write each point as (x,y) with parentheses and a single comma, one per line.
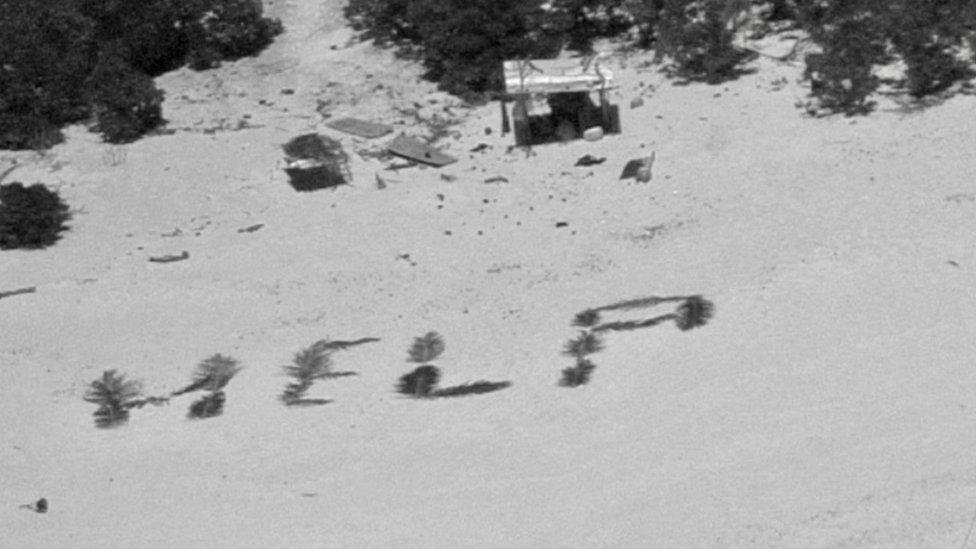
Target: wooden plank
(362,128)
(414,149)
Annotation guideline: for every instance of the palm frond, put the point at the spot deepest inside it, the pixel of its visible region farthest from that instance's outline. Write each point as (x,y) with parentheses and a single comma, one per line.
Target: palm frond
(112,389)
(211,405)
(586,343)
(627,325)
(587,318)
(577,375)
(215,372)
(420,382)
(114,395)
(694,312)
(426,348)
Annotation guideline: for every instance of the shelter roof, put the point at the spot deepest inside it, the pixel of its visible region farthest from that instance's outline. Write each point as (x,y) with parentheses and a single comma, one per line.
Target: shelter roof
(556,75)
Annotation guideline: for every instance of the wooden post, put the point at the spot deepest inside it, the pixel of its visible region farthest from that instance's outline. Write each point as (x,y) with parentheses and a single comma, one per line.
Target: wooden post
(506,124)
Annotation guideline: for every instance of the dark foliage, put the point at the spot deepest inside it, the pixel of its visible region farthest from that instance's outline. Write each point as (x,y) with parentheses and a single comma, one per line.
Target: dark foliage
(852,35)
(384,22)
(577,375)
(46,52)
(126,102)
(696,35)
(28,132)
(114,395)
(694,312)
(230,29)
(462,43)
(929,36)
(30,217)
(64,61)
(211,405)
(475,388)
(584,20)
(420,382)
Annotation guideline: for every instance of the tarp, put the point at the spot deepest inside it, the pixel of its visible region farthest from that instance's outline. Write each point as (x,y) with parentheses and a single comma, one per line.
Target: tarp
(362,128)
(556,75)
(414,149)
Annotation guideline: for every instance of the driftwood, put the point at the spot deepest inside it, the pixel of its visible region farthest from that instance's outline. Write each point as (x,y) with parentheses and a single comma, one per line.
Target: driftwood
(170,258)
(18,291)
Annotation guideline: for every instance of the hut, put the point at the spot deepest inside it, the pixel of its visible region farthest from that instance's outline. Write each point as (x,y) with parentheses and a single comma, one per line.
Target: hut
(313,161)
(553,99)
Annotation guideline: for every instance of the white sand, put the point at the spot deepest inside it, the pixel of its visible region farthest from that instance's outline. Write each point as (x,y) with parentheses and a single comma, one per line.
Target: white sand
(829,403)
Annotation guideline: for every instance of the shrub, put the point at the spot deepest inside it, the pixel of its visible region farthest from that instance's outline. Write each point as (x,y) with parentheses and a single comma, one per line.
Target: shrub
(420,382)
(929,35)
(127,102)
(645,14)
(50,50)
(384,22)
(115,396)
(697,36)
(47,50)
(852,36)
(230,29)
(584,20)
(462,43)
(28,132)
(30,217)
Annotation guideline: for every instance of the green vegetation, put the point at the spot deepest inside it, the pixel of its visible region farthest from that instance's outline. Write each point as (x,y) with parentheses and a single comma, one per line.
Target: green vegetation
(76,60)
(30,217)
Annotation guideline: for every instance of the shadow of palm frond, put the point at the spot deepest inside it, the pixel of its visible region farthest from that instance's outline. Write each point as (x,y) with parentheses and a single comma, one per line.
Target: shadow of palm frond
(475,388)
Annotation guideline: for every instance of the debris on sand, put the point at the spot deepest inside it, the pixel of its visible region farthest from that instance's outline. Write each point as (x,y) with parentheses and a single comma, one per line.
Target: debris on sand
(589,160)
(414,149)
(170,258)
(639,169)
(18,291)
(361,128)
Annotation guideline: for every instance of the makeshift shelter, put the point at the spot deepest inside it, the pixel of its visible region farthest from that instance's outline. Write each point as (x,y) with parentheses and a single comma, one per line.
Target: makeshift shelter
(313,161)
(553,99)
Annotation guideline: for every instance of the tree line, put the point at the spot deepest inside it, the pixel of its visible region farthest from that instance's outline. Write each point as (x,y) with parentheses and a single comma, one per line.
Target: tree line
(67,61)
(462,42)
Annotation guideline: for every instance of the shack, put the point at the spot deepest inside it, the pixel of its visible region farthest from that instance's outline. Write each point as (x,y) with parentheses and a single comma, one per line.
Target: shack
(552,99)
